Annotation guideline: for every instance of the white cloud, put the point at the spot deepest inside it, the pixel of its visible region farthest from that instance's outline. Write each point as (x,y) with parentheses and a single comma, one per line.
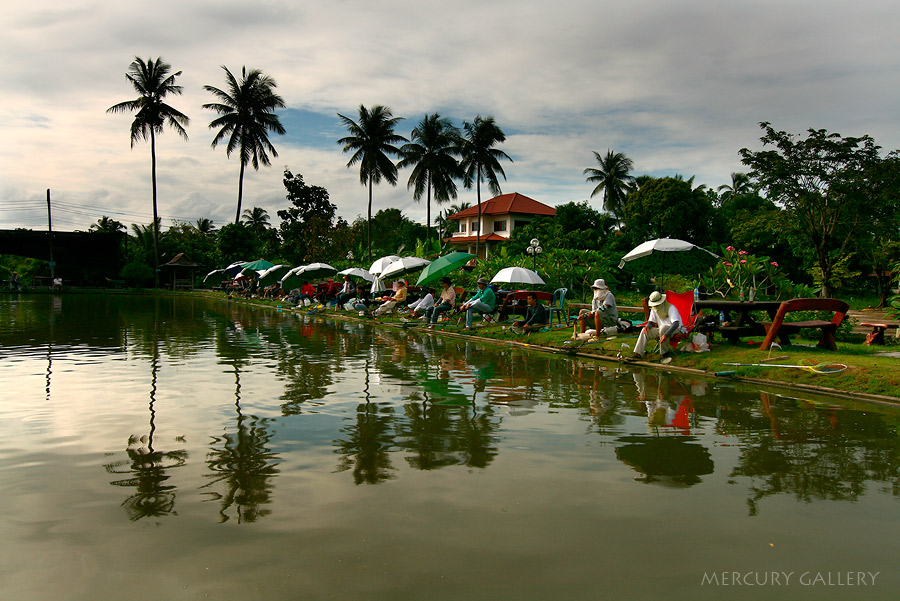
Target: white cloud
(678,87)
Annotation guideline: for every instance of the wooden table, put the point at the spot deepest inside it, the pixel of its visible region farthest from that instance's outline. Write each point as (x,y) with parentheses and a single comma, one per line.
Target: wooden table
(738,321)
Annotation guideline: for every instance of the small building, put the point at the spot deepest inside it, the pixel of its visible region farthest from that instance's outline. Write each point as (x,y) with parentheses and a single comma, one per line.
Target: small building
(182,270)
(500,216)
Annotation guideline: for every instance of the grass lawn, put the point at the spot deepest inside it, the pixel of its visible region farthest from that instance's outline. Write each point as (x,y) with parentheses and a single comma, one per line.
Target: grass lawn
(869,369)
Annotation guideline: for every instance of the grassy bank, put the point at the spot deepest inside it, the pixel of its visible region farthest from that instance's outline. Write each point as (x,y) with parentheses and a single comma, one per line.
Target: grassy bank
(870,371)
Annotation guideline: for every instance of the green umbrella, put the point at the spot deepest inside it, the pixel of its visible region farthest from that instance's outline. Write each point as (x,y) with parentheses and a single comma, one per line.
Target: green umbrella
(442,266)
(260,265)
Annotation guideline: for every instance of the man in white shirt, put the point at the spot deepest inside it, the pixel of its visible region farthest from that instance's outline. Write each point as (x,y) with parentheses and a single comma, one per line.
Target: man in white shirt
(664,322)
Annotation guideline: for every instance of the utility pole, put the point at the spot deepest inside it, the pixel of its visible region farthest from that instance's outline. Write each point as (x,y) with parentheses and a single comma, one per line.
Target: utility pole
(50,229)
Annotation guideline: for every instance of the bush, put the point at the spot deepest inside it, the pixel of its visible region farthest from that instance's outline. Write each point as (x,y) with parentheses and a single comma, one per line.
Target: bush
(137,274)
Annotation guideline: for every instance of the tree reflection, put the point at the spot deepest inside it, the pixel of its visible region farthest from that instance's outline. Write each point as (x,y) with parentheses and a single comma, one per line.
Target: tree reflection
(813,452)
(243,463)
(148,466)
(367,444)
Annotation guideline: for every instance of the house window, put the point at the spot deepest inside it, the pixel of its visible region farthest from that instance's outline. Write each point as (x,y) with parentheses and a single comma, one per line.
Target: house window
(519,223)
(462,226)
(500,226)
(474,226)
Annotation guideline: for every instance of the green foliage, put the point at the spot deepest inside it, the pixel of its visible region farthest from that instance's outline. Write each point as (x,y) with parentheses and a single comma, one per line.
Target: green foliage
(829,184)
(840,274)
(308,228)
(236,242)
(668,208)
(739,271)
(137,274)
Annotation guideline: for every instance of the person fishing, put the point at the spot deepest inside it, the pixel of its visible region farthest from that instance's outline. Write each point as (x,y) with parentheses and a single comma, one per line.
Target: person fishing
(664,322)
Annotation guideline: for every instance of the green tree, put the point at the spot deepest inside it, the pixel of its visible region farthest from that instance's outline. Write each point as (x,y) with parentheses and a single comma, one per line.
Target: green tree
(246,116)
(740,184)
(108,225)
(308,229)
(613,178)
(236,241)
(668,208)
(153,82)
(205,226)
(479,159)
(826,182)
(257,219)
(430,153)
(372,140)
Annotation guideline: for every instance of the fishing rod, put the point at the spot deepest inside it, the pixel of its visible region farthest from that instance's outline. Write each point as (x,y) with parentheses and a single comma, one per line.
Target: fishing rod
(820,368)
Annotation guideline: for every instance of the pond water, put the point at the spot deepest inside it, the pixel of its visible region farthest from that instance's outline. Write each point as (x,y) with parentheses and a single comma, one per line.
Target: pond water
(186,448)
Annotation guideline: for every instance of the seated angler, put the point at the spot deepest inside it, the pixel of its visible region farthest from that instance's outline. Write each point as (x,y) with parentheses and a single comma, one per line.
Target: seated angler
(603,313)
(664,322)
(390,303)
(484,301)
(445,303)
(536,316)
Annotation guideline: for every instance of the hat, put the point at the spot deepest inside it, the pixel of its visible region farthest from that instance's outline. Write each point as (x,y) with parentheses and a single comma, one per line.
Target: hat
(599,283)
(481,281)
(401,282)
(656,298)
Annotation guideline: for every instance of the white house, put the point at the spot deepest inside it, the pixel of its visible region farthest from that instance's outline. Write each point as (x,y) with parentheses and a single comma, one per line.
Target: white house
(500,216)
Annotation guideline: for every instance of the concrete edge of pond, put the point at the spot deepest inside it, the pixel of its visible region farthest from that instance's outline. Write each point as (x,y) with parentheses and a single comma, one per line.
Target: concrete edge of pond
(824,390)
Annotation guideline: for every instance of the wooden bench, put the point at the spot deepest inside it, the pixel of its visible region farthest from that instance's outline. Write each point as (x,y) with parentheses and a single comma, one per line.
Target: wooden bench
(782,329)
(876,336)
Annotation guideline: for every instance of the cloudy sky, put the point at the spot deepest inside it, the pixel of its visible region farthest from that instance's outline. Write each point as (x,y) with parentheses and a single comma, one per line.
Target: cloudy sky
(677,86)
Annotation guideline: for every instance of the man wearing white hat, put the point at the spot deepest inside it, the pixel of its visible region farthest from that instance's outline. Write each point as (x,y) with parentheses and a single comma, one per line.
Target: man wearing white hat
(664,322)
(603,311)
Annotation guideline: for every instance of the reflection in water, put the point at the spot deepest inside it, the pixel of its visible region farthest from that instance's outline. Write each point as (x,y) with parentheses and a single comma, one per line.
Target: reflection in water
(243,463)
(148,466)
(408,400)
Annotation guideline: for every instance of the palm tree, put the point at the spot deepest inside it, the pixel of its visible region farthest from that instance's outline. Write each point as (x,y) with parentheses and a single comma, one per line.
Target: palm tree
(431,155)
(205,226)
(107,225)
(371,140)
(740,184)
(257,219)
(479,159)
(613,179)
(245,118)
(152,81)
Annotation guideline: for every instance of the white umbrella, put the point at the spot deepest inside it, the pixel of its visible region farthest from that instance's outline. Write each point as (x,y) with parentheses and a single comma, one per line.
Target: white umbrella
(235,268)
(517,275)
(359,273)
(315,270)
(404,265)
(213,273)
(380,265)
(668,256)
(377,285)
(273,274)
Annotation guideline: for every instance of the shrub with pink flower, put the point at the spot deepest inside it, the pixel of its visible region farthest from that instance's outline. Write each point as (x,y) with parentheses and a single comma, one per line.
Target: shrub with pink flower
(739,272)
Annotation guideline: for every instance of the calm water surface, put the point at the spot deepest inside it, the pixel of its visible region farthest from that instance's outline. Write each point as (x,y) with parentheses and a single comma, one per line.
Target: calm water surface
(179,448)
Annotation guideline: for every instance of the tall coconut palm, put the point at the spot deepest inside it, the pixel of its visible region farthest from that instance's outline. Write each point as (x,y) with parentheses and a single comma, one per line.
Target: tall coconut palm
(740,184)
(480,160)
(257,219)
(107,225)
(246,116)
(613,179)
(153,82)
(371,140)
(204,226)
(430,153)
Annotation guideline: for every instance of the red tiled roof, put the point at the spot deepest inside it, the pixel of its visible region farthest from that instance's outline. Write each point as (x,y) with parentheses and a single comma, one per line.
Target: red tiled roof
(492,237)
(507,203)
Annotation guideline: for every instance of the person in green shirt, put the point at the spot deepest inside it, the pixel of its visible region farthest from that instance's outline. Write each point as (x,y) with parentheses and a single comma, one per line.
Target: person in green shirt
(484,301)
